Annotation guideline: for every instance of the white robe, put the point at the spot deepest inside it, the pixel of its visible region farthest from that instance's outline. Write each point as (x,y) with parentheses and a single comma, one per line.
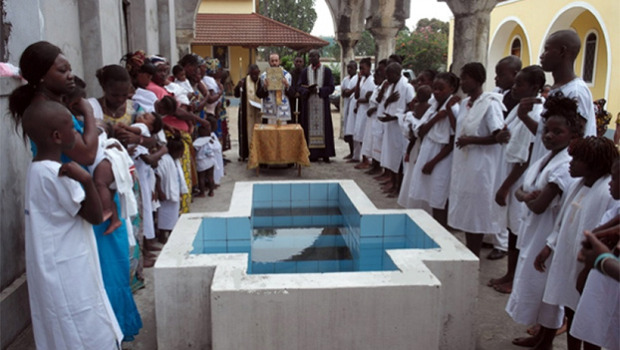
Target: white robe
(581,210)
(394,142)
(218,172)
(68,303)
(367,85)
(472,206)
(170,183)
(577,90)
(434,188)
(349,122)
(597,318)
(516,151)
(205,156)
(404,199)
(525,304)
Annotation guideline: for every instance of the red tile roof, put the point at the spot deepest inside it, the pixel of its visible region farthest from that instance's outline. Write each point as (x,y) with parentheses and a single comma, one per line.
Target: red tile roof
(250,30)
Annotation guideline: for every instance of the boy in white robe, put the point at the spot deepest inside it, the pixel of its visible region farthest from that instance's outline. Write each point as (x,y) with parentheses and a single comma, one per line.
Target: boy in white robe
(398,95)
(68,303)
(363,92)
(346,92)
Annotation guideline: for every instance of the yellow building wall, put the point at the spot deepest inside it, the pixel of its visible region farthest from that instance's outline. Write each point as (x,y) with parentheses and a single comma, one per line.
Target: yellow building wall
(583,25)
(537,17)
(226,6)
(238,59)
(525,49)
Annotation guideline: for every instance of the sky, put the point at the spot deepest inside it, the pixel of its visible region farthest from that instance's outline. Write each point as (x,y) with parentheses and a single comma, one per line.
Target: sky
(324,25)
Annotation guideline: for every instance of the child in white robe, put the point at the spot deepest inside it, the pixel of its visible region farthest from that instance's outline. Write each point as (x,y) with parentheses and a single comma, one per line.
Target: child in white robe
(597,318)
(205,159)
(431,174)
(544,187)
(172,187)
(514,162)
(583,207)
(421,111)
(68,303)
(472,206)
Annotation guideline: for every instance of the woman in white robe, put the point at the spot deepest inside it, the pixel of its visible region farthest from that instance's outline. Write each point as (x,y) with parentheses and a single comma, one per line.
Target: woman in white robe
(472,206)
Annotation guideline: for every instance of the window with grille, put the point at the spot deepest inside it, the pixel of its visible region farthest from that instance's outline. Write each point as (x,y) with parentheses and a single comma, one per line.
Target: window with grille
(589,56)
(515,48)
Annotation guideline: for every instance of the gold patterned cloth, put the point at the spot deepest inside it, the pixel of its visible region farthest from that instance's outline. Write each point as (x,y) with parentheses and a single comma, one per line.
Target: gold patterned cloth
(278,144)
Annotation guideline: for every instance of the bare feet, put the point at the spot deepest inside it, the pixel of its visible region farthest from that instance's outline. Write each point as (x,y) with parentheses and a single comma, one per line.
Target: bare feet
(495,281)
(200,195)
(211,193)
(505,288)
(533,330)
(362,166)
(114,224)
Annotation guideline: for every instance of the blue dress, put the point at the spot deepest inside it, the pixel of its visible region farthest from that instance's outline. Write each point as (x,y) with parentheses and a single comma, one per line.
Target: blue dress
(114,259)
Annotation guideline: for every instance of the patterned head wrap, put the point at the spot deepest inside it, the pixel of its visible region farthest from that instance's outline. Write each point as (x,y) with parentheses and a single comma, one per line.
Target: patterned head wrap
(36,60)
(133,61)
(213,64)
(158,60)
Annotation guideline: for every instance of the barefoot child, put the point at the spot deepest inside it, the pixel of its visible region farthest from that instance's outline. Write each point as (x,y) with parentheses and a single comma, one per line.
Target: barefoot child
(171,187)
(431,175)
(583,207)
(205,159)
(515,159)
(542,191)
(69,306)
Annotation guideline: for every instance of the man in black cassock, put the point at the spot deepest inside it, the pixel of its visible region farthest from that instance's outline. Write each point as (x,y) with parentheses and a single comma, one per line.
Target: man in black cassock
(315,85)
(249,109)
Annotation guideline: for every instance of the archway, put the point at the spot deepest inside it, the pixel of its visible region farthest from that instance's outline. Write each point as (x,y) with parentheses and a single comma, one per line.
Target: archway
(585,19)
(506,33)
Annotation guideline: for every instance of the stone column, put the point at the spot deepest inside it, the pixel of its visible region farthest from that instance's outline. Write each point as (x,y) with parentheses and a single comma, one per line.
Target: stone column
(348,17)
(185,23)
(471,31)
(386,18)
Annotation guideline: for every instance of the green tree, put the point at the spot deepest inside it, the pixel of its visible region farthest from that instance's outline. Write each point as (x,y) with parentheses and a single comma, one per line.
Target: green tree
(426,47)
(332,50)
(366,45)
(298,14)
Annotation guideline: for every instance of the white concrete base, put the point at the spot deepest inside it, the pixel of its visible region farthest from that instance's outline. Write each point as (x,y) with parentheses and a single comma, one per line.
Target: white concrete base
(209,301)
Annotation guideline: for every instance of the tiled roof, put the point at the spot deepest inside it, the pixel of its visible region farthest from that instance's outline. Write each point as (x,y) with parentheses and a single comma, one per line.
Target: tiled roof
(250,30)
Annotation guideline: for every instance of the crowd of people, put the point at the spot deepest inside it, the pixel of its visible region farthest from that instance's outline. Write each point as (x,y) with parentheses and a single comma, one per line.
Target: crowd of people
(109,178)
(522,166)
(519,166)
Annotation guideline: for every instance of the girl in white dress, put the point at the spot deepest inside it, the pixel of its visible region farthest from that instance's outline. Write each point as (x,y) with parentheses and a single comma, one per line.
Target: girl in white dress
(583,207)
(542,191)
(431,174)
(515,160)
(472,206)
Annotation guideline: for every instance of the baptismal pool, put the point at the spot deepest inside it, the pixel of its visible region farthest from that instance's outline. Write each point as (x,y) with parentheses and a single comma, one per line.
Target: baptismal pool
(309,228)
(313,265)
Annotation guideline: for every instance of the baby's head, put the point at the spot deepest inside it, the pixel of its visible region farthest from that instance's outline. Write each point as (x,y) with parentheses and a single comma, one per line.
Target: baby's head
(179,73)
(152,121)
(423,94)
(79,92)
(204,129)
(175,147)
(166,106)
(50,126)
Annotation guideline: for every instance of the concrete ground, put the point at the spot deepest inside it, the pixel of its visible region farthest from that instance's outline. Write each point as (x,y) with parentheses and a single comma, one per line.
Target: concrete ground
(495,329)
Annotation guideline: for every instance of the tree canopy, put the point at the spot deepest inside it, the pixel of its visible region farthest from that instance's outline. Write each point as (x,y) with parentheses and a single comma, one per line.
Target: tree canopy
(298,14)
(426,47)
